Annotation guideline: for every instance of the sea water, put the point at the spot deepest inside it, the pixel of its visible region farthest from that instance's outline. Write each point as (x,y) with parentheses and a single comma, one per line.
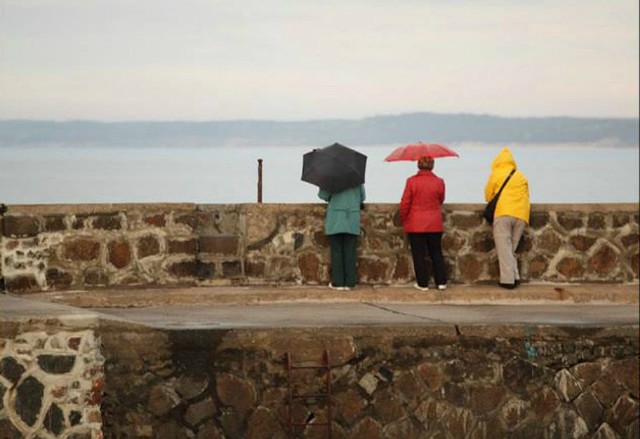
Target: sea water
(556,173)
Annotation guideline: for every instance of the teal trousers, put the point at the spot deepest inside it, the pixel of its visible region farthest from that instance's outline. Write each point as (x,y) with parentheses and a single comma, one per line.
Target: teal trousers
(343,260)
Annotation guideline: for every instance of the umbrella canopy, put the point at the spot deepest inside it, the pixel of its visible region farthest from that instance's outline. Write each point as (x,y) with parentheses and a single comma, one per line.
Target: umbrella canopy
(415,151)
(334,168)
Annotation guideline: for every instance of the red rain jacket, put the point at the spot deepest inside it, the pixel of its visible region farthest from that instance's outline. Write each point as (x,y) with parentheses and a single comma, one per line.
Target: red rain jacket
(420,207)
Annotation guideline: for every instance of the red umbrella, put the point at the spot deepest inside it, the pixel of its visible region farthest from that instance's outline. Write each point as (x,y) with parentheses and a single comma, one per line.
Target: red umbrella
(415,151)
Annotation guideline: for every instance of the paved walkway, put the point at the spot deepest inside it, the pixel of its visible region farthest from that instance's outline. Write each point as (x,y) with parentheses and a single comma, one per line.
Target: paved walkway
(273,307)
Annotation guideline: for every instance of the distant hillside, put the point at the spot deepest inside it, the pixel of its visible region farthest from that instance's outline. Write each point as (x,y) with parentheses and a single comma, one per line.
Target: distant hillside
(428,127)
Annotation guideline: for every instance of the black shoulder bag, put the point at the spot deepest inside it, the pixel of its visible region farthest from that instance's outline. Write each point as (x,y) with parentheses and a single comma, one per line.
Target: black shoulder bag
(490,210)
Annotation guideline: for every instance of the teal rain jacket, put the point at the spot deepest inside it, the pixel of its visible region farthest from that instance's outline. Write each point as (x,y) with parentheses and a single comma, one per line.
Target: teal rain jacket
(343,212)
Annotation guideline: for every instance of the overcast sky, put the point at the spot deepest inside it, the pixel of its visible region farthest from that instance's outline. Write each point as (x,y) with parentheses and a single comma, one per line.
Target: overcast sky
(312,59)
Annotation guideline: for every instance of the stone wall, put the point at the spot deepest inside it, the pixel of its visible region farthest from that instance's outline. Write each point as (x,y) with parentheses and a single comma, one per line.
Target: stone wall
(51,382)
(61,247)
(427,382)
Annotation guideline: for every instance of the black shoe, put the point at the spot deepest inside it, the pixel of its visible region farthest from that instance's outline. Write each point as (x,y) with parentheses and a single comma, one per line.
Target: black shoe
(507,286)
(517,282)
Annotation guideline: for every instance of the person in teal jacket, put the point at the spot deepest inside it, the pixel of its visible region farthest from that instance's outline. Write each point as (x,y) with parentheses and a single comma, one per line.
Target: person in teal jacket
(342,225)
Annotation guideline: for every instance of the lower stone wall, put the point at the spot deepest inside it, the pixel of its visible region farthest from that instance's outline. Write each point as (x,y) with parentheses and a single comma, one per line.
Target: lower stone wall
(51,382)
(426,382)
(62,247)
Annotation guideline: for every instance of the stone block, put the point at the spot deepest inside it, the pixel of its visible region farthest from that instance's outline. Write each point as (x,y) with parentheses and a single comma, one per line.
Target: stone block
(350,405)
(109,221)
(621,219)
(596,221)
(582,243)
(189,246)
(20,226)
(630,240)
(544,401)
(21,283)
(184,269)
(373,270)
(231,269)
(95,276)
(538,265)
(263,424)
(432,375)
(570,220)
(235,392)
(452,241)
(220,245)
(567,386)
(367,428)
(28,400)
(623,412)
(157,220)
(200,411)
(513,412)
(604,260)
(570,268)
(465,221)
(54,420)
(54,223)
(81,249)
(254,268)
(402,269)
(119,253)
(58,279)
(470,268)
(188,220)
(538,220)
(589,409)
(148,246)
(56,364)
(548,242)
(11,369)
(387,406)
(486,398)
(309,266)
(162,399)
(189,387)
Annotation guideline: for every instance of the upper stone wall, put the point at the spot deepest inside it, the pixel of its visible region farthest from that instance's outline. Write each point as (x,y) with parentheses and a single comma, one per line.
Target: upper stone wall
(57,247)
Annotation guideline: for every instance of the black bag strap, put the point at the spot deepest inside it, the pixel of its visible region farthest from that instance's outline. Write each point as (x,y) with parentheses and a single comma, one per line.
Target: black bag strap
(505,183)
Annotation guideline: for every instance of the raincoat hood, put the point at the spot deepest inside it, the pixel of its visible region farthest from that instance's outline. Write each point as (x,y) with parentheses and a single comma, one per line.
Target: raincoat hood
(514,200)
(504,159)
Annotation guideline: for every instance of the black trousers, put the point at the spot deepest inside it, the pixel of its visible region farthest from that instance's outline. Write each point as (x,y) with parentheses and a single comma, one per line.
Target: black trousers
(421,243)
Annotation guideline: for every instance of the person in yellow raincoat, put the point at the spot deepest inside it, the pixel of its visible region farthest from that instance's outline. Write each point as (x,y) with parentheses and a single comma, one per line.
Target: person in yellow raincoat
(511,216)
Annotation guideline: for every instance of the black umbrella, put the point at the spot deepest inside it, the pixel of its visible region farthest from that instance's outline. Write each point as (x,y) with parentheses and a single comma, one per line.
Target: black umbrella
(334,168)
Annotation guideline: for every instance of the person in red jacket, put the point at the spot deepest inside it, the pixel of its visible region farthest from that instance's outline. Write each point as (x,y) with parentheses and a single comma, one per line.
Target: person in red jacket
(421,215)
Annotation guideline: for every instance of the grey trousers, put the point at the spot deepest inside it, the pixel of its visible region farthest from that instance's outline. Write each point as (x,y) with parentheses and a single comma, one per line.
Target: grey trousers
(507,231)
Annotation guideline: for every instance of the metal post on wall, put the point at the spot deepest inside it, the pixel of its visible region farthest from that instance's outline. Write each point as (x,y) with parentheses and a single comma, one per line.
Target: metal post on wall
(260,181)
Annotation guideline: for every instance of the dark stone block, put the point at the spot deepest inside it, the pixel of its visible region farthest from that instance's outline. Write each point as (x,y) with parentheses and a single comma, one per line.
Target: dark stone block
(148,246)
(81,250)
(107,222)
(621,219)
(582,243)
(231,269)
(222,245)
(630,240)
(372,270)
(58,279)
(21,283)
(95,276)
(75,417)
(56,364)
(518,373)
(570,268)
(538,220)
(604,260)
(187,247)
(466,222)
(3,390)
(119,253)
(483,243)
(184,269)
(157,220)
(206,270)
(321,240)
(597,221)
(188,220)
(254,268)
(9,431)
(298,241)
(54,420)
(79,221)
(54,223)
(309,266)
(11,369)
(570,220)
(28,400)
(20,226)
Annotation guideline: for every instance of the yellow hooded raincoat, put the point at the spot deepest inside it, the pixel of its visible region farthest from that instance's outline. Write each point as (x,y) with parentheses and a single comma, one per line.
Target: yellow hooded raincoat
(514,200)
